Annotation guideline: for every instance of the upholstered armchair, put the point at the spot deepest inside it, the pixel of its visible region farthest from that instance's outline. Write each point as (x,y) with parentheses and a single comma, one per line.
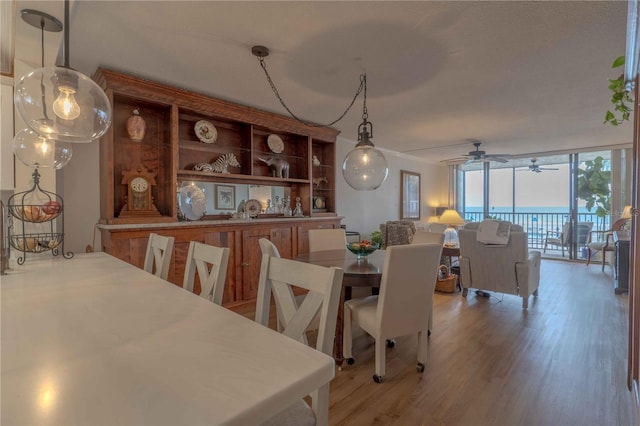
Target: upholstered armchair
(509,269)
(396,232)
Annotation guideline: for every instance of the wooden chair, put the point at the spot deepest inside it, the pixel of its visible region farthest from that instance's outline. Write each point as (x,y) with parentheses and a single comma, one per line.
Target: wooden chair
(404,305)
(561,239)
(210,262)
(158,257)
(327,239)
(279,276)
(603,240)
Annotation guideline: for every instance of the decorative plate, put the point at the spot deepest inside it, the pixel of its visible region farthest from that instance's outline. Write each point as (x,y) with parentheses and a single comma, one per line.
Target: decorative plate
(193,203)
(275,143)
(253,207)
(318,203)
(206,132)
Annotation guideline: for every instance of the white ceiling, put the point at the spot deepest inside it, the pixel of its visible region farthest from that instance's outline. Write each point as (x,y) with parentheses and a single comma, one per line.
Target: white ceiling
(522,77)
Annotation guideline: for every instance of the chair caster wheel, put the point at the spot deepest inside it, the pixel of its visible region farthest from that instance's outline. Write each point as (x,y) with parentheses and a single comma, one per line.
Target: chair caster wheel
(350,361)
(420,367)
(391,343)
(377,379)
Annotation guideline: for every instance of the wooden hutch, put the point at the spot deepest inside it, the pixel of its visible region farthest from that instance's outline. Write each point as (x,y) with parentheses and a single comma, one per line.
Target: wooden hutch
(166,158)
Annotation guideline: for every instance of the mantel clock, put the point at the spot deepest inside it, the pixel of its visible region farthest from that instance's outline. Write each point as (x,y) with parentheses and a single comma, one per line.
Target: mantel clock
(139,201)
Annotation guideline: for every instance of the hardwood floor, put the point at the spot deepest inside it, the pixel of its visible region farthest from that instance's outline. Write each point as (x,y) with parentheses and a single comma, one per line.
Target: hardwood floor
(561,362)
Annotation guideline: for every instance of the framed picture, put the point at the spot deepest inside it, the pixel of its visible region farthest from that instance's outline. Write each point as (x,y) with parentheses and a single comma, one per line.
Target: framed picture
(409,195)
(225,197)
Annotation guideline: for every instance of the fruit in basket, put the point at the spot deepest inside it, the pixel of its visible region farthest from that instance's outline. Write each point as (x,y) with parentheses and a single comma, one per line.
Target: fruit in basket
(52,207)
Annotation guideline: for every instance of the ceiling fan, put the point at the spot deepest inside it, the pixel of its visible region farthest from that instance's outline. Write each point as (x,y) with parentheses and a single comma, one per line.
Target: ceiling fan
(479,155)
(533,167)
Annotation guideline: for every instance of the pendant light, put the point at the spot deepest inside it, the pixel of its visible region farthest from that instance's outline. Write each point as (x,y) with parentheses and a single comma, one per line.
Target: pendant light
(32,149)
(365,167)
(36,151)
(58,102)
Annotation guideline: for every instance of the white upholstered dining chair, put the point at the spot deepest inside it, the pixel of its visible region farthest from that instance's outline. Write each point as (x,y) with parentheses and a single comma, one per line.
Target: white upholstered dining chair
(327,239)
(427,237)
(210,263)
(280,276)
(403,306)
(158,256)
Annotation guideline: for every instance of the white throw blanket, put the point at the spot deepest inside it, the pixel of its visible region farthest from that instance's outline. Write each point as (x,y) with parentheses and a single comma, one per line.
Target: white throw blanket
(495,232)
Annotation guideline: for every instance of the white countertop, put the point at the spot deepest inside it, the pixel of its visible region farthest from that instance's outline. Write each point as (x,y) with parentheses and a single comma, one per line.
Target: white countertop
(189,224)
(94,340)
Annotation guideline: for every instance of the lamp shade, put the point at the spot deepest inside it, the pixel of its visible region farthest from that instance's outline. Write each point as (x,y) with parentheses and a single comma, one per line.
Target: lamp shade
(365,168)
(62,104)
(626,213)
(451,217)
(34,150)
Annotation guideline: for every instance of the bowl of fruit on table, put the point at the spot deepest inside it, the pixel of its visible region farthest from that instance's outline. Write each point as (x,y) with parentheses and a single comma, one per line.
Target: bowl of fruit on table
(363,248)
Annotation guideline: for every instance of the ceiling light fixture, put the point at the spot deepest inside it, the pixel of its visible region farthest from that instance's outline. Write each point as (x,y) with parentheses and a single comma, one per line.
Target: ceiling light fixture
(58,102)
(365,167)
(30,147)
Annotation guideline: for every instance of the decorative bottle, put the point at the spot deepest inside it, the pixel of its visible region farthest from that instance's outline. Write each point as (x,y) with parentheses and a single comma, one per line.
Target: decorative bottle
(136,126)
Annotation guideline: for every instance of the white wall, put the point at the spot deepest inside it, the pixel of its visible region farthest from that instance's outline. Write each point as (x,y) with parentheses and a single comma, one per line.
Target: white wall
(6,133)
(364,211)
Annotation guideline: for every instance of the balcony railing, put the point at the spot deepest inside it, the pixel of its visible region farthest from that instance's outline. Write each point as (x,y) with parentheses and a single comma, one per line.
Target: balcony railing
(537,224)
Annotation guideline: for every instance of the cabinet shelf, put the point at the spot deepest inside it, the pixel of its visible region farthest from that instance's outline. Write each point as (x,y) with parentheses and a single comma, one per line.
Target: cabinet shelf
(171,148)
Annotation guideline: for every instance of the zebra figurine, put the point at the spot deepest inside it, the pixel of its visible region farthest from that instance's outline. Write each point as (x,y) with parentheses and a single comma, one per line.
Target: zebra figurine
(221,165)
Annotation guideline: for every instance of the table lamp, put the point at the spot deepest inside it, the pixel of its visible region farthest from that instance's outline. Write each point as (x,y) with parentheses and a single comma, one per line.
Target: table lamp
(626,213)
(452,218)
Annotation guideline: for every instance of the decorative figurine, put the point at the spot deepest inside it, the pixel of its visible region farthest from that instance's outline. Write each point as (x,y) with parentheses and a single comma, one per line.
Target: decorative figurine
(136,126)
(298,211)
(279,166)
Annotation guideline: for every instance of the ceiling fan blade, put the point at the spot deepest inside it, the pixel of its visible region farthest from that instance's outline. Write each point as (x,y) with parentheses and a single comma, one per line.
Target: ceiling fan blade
(497,158)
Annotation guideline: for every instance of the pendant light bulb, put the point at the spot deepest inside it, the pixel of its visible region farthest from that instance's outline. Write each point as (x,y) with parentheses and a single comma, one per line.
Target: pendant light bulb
(34,150)
(66,106)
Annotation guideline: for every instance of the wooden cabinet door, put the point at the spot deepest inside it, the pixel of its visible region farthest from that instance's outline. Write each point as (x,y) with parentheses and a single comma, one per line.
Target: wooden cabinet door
(282,237)
(251,259)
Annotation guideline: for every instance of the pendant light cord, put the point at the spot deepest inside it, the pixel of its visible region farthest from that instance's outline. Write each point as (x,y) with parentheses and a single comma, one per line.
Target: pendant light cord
(362,87)
(66,33)
(42,89)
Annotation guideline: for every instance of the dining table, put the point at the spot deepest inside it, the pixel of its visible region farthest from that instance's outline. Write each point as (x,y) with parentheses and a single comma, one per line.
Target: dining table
(358,272)
(94,340)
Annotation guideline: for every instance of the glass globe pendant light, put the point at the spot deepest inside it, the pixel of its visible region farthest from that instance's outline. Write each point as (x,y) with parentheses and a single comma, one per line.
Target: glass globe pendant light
(365,167)
(37,151)
(58,102)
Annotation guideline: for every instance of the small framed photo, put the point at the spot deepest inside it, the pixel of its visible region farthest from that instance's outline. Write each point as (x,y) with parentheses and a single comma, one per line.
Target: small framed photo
(225,197)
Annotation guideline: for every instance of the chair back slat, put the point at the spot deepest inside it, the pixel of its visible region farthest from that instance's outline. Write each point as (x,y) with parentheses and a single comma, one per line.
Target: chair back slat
(279,276)
(157,259)
(210,262)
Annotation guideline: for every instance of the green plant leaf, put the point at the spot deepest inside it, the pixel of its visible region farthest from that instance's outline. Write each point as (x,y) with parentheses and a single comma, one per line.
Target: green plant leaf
(618,62)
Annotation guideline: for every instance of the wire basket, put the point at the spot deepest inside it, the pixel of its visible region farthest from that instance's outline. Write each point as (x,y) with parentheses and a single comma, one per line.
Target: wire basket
(36,243)
(36,213)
